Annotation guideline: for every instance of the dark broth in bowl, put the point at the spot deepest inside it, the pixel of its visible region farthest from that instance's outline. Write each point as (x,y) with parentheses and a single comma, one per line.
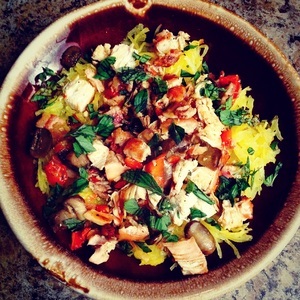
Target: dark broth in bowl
(226,52)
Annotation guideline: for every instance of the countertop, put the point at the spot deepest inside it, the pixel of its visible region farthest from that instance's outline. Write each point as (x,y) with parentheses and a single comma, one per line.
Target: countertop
(21,277)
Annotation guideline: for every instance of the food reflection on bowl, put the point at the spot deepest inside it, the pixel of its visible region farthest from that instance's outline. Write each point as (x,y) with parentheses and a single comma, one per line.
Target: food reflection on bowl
(263,70)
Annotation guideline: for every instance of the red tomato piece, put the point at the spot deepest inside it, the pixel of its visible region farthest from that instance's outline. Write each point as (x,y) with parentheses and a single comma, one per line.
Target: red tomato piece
(132,163)
(79,238)
(56,172)
(156,168)
(231,79)
(226,138)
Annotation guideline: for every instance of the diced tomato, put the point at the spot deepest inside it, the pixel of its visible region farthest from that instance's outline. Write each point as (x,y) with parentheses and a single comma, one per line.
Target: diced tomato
(56,172)
(102,208)
(156,168)
(132,163)
(79,238)
(224,81)
(121,183)
(226,138)
(63,145)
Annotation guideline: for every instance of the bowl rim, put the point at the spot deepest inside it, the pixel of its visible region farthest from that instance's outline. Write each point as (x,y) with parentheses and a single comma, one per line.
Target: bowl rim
(58,260)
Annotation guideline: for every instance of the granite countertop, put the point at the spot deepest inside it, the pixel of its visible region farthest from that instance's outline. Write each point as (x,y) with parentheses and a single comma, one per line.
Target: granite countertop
(21,277)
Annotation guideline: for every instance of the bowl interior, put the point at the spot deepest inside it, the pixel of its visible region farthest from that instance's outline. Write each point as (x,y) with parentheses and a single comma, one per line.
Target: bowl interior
(227,52)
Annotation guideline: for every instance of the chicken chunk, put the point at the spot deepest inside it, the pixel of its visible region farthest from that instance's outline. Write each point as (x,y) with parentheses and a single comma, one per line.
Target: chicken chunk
(98,157)
(79,93)
(189,256)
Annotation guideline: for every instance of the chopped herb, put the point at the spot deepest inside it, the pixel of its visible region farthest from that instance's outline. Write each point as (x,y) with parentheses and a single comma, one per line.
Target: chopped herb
(142,179)
(169,237)
(84,137)
(191,187)
(213,222)
(143,246)
(140,101)
(132,74)
(165,205)
(205,69)
(45,74)
(105,126)
(196,213)
(231,188)
(125,247)
(160,223)
(211,91)
(154,141)
(250,151)
(269,181)
(78,185)
(73,224)
(274,145)
(104,69)
(176,133)
(233,117)
(91,110)
(159,87)
(52,201)
(132,207)
(141,58)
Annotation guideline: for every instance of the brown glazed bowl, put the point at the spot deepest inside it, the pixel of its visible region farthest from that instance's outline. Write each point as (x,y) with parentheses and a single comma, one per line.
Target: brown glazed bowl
(236,47)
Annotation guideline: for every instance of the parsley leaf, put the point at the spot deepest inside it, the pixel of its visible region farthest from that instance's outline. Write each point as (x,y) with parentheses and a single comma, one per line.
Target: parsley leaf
(176,133)
(210,91)
(191,187)
(160,223)
(233,117)
(142,179)
(141,58)
(213,222)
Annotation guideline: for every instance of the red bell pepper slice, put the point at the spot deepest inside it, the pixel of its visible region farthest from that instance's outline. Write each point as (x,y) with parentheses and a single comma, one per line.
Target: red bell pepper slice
(79,238)
(226,138)
(224,81)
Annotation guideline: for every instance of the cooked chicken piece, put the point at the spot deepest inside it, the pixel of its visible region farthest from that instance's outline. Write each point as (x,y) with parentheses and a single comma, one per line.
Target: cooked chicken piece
(233,216)
(189,256)
(78,94)
(189,125)
(124,56)
(120,137)
(114,167)
(136,232)
(205,178)
(99,156)
(182,169)
(101,52)
(137,149)
(211,133)
(133,192)
(96,83)
(101,253)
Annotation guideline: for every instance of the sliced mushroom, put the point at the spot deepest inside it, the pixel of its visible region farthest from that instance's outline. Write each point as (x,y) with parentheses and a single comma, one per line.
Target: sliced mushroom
(202,236)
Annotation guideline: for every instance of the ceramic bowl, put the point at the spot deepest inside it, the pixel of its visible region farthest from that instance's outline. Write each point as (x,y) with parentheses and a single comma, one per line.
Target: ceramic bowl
(235,46)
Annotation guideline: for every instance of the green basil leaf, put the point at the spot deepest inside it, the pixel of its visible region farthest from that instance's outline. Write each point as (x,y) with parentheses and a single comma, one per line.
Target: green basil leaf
(73,224)
(104,69)
(213,222)
(142,179)
(169,237)
(105,126)
(83,145)
(159,87)
(143,246)
(196,213)
(176,133)
(269,181)
(191,187)
(140,101)
(132,206)
(133,74)
(141,58)
(160,223)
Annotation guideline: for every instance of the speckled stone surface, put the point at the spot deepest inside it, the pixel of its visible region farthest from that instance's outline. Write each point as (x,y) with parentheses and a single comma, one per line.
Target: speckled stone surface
(20,21)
